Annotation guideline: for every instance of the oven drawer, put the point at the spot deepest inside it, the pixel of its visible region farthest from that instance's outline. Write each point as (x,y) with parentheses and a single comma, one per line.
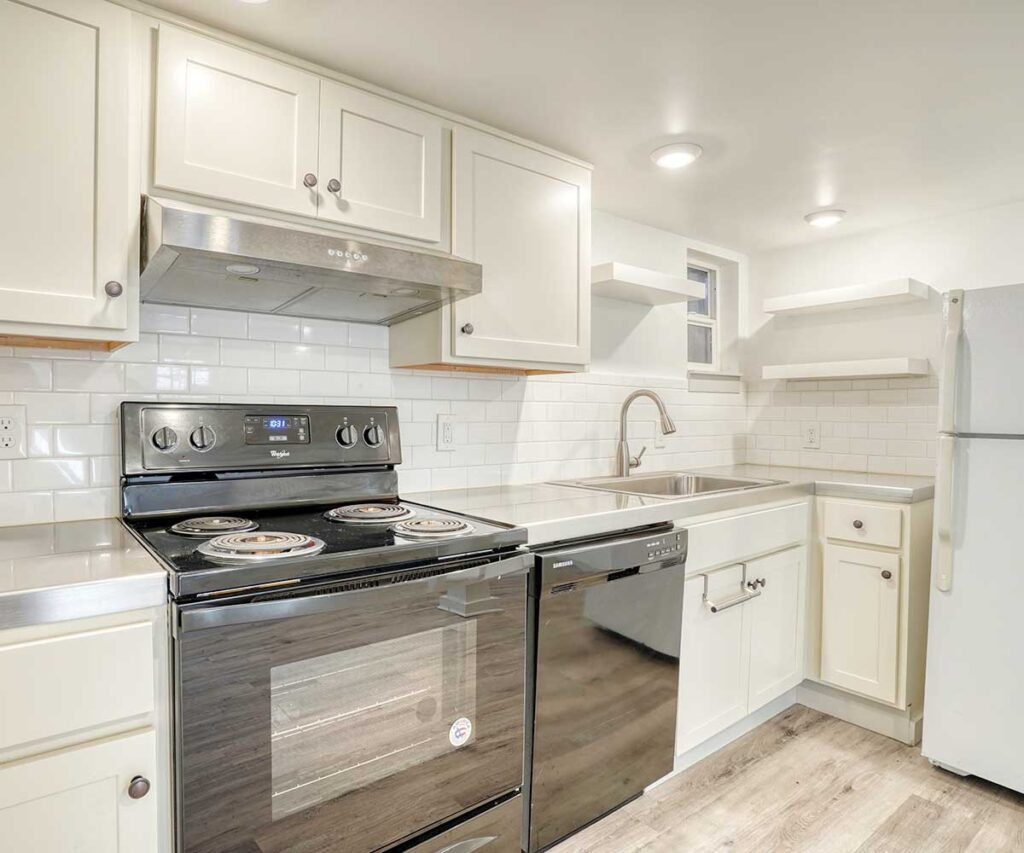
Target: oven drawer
(76,681)
(497,830)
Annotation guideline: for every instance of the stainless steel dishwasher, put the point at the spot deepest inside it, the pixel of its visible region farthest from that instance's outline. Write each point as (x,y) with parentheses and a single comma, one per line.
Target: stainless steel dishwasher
(604,625)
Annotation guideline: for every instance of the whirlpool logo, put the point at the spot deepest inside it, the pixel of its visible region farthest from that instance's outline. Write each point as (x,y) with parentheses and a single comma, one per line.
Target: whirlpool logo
(280,454)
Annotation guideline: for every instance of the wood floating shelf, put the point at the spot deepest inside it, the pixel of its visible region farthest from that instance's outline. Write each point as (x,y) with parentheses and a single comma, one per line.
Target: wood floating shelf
(871,368)
(894,292)
(614,280)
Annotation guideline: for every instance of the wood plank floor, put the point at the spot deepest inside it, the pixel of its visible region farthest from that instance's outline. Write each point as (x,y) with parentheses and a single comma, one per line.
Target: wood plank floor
(805,781)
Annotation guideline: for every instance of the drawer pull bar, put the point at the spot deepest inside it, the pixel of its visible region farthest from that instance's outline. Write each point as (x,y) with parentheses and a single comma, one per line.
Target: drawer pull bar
(747,592)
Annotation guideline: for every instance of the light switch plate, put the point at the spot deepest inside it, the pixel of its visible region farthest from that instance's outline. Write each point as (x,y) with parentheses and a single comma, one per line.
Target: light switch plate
(12,432)
(445,432)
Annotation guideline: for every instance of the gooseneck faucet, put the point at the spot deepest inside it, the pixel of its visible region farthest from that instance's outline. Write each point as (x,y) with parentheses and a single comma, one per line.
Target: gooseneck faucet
(625,463)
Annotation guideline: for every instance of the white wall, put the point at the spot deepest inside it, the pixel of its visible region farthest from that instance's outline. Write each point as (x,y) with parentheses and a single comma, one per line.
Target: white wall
(632,338)
(866,425)
(978,249)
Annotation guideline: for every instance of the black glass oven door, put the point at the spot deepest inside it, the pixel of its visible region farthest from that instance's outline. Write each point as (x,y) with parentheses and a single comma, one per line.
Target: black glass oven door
(352,715)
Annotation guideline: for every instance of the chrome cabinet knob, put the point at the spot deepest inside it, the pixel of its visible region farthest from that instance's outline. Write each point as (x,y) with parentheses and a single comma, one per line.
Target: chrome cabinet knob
(334,185)
(138,787)
(309,180)
(467,329)
(887,574)
(858,524)
(113,289)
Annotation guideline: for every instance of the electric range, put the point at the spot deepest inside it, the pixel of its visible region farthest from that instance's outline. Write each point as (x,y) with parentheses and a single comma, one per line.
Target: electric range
(348,667)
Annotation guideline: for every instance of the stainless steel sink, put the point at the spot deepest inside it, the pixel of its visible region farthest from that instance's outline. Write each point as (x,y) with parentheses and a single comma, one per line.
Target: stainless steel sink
(669,484)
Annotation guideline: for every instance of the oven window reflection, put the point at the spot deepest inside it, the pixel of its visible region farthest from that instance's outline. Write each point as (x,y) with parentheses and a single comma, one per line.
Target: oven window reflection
(345,720)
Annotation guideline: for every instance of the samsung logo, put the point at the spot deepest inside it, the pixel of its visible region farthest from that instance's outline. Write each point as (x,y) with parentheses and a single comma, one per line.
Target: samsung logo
(562,564)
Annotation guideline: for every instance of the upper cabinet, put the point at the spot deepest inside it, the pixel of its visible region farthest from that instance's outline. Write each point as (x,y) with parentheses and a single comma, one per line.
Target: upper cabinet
(380,164)
(234,125)
(66,231)
(525,217)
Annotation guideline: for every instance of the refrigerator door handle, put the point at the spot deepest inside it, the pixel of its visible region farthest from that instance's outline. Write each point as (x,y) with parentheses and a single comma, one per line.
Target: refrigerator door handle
(944,514)
(954,311)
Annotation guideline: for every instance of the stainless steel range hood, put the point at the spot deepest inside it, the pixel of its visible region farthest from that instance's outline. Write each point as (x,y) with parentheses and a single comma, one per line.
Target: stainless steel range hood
(192,256)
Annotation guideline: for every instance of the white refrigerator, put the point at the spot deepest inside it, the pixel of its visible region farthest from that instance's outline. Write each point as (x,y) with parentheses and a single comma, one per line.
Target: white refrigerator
(974,692)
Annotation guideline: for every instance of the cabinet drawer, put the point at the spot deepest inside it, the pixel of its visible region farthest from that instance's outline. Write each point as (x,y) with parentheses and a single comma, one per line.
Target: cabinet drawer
(732,540)
(64,684)
(867,523)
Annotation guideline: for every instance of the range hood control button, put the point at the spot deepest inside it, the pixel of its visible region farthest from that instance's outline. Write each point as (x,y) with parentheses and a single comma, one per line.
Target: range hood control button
(347,436)
(373,435)
(165,439)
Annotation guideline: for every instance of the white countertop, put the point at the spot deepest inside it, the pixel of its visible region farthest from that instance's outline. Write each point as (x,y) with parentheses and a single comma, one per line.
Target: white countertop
(74,570)
(552,513)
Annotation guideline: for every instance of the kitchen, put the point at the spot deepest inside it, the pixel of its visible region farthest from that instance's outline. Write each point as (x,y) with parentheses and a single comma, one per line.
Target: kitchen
(399,453)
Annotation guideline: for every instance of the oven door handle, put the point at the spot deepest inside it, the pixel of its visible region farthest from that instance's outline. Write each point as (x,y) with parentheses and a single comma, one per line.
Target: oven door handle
(200,616)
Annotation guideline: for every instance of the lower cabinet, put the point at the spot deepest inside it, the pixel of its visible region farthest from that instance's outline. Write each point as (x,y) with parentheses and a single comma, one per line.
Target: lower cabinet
(83,799)
(746,652)
(860,624)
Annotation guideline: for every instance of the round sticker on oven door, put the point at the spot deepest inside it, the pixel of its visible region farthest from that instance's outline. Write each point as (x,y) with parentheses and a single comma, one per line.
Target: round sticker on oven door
(460,732)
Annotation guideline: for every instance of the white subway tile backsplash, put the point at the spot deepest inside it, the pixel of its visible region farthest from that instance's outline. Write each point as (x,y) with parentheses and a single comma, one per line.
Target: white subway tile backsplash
(218,380)
(362,335)
(164,318)
(94,440)
(265,327)
(299,356)
(219,324)
(25,374)
(329,332)
(191,349)
(88,376)
(353,359)
(53,408)
(156,378)
(85,503)
(26,508)
(39,441)
(37,474)
(246,353)
(146,349)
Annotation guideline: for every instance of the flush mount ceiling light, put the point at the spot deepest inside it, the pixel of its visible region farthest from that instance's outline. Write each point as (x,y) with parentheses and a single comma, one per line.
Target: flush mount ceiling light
(242,269)
(254,2)
(676,155)
(825,218)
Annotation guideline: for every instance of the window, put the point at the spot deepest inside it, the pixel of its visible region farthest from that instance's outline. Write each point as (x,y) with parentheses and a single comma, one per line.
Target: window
(702,319)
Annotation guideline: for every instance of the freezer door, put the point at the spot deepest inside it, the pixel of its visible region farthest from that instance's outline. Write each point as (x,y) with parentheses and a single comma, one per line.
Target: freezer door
(974,696)
(989,363)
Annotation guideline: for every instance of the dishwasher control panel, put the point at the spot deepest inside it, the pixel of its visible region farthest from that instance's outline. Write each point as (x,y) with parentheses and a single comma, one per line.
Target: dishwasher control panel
(666,546)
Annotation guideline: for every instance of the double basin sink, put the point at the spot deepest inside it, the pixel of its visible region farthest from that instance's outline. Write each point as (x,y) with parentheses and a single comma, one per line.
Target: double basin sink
(669,484)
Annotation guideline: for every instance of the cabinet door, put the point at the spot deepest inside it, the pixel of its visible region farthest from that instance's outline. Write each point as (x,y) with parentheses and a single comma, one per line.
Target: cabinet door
(776,626)
(525,216)
(78,799)
(715,660)
(234,125)
(860,620)
(66,224)
(387,158)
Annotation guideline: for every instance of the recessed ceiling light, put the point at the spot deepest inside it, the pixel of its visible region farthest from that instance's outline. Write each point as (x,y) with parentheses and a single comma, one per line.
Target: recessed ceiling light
(243,269)
(676,155)
(824,218)
(254,2)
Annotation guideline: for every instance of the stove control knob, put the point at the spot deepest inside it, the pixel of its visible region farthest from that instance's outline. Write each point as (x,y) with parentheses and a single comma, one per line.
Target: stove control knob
(373,435)
(348,436)
(165,439)
(202,438)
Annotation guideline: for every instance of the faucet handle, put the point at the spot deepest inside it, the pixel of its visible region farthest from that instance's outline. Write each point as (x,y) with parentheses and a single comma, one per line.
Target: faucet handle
(634,461)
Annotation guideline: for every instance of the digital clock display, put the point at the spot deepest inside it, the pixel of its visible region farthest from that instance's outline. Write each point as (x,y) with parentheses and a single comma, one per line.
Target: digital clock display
(276,429)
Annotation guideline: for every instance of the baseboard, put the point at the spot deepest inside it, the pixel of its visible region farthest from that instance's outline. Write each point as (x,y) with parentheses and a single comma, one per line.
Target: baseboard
(903,726)
(727,736)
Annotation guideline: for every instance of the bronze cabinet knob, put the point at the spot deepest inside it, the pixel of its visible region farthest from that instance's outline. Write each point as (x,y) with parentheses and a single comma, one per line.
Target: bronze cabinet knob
(887,574)
(138,787)
(858,524)
(309,180)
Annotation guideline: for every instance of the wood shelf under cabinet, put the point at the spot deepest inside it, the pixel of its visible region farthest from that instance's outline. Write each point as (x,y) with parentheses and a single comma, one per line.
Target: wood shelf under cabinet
(615,280)
(870,368)
(893,292)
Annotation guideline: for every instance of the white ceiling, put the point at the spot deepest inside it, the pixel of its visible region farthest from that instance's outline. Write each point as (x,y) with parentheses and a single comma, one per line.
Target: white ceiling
(893,109)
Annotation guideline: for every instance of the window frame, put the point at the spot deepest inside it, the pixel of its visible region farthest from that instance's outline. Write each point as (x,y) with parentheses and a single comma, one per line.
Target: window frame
(704,320)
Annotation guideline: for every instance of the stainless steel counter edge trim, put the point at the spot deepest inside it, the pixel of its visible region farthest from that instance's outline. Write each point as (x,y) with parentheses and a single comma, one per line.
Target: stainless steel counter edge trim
(20,609)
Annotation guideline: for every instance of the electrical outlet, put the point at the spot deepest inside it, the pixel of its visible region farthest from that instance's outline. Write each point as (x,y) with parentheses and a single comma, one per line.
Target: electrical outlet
(812,437)
(12,432)
(445,432)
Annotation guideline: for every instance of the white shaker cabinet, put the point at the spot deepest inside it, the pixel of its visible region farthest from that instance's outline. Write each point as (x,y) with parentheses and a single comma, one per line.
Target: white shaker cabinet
(234,125)
(715,664)
(525,216)
(776,626)
(66,227)
(380,164)
(81,799)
